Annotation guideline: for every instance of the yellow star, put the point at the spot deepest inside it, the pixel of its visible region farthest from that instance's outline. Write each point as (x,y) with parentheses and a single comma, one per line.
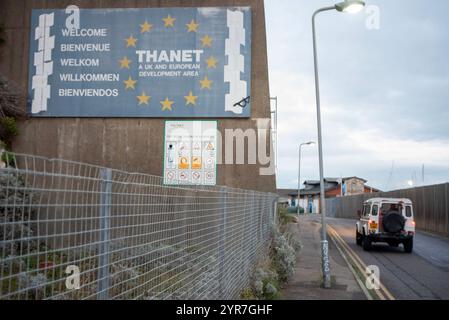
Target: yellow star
(192,26)
(190,99)
(169,21)
(130,83)
(143,99)
(166,104)
(124,63)
(131,41)
(206,83)
(211,62)
(206,41)
(146,27)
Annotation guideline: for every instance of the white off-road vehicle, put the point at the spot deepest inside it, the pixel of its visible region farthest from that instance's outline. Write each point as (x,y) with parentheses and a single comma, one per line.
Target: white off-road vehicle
(386,220)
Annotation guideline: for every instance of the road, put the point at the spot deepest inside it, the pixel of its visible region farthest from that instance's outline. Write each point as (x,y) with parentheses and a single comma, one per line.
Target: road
(424,274)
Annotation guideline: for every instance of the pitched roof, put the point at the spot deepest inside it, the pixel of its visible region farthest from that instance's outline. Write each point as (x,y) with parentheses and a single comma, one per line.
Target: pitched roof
(332,180)
(348,178)
(312,191)
(286,192)
(374,189)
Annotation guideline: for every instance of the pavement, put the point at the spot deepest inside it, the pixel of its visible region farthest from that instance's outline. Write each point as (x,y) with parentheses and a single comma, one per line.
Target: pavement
(305,284)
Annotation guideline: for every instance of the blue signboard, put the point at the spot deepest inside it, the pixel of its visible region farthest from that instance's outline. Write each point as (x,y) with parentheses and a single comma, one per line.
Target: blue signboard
(167,62)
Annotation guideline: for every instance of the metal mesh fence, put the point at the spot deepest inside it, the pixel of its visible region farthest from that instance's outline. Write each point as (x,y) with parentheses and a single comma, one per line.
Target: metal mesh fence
(124,235)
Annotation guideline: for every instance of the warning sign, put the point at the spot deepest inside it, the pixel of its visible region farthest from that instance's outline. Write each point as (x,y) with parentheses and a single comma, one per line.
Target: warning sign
(190,156)
(183,163)
(196,163)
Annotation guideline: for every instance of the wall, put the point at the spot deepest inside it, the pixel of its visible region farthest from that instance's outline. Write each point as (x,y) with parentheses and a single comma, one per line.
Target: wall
(126,144)
(334,192)
(354,186)
(431,206)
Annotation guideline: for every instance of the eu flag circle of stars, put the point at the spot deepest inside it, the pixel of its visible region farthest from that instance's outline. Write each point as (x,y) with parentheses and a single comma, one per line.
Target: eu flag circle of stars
(144,98)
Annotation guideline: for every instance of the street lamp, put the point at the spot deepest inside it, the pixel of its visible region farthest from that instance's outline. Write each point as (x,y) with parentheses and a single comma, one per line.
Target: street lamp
(349,6)
(299,170)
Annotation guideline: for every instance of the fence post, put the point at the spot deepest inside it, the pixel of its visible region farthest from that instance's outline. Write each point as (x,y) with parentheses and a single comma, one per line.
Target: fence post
(105,229)
(222,243)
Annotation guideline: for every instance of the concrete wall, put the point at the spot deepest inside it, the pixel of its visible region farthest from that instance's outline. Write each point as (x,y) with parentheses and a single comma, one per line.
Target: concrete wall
(126,144)
(430,204)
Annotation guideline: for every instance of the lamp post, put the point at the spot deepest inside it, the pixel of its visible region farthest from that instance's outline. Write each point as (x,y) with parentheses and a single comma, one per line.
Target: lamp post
(349,6)
(299,170)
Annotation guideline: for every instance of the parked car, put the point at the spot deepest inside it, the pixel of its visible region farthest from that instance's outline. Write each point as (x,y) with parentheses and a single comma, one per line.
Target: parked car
(386,220)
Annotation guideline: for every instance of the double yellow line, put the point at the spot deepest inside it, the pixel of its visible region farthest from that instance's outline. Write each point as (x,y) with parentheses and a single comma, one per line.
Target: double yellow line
(358,267)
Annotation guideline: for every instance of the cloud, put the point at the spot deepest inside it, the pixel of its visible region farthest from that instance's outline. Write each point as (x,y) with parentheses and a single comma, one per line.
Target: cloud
(384,93)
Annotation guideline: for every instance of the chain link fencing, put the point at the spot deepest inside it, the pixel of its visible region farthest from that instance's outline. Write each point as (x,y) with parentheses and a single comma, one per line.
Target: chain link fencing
(71,230)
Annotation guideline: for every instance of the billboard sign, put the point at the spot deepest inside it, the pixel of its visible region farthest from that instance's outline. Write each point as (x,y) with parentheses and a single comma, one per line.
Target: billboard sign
(190,156)
(146,62)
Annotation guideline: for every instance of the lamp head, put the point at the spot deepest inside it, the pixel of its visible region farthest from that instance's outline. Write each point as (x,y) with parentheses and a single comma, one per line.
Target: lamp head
(350,6)
(307,143)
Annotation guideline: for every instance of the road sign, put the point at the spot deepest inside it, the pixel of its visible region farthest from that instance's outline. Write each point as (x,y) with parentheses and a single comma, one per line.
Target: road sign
(146,62)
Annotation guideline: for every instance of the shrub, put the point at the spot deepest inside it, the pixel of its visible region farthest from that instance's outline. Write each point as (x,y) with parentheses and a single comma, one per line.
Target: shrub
(10,111)
(35,285)
(283,255)
(271,292)
(8,129)
(248,294)
(284,217)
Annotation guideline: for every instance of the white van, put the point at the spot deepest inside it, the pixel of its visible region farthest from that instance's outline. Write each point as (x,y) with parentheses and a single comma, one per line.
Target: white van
(387,220)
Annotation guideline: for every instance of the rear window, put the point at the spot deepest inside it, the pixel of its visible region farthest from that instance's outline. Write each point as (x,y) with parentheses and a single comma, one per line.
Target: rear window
(387,207)
(375,210)
(366,209)
(408,211)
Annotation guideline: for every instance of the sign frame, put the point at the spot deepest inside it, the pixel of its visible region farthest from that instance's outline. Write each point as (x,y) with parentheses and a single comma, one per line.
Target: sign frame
(121,106)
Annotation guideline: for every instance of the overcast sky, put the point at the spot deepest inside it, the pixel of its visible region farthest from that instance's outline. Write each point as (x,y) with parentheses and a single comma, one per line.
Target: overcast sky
(384,93)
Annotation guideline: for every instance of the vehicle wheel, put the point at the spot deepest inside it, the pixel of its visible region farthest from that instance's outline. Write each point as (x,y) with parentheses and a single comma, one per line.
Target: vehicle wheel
(408,245)
(358,238)
(366,243)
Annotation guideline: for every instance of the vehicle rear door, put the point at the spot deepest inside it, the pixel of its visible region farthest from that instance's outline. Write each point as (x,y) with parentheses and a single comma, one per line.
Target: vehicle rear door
(409,218)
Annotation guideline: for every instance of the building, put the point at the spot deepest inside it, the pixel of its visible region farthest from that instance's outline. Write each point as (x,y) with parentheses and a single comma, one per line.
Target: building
(285,197)
(334,187)
(129,141)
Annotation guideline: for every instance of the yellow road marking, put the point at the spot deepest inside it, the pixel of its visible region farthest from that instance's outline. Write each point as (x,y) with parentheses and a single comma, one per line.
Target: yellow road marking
(384,289)
(360,264)
(351,267)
